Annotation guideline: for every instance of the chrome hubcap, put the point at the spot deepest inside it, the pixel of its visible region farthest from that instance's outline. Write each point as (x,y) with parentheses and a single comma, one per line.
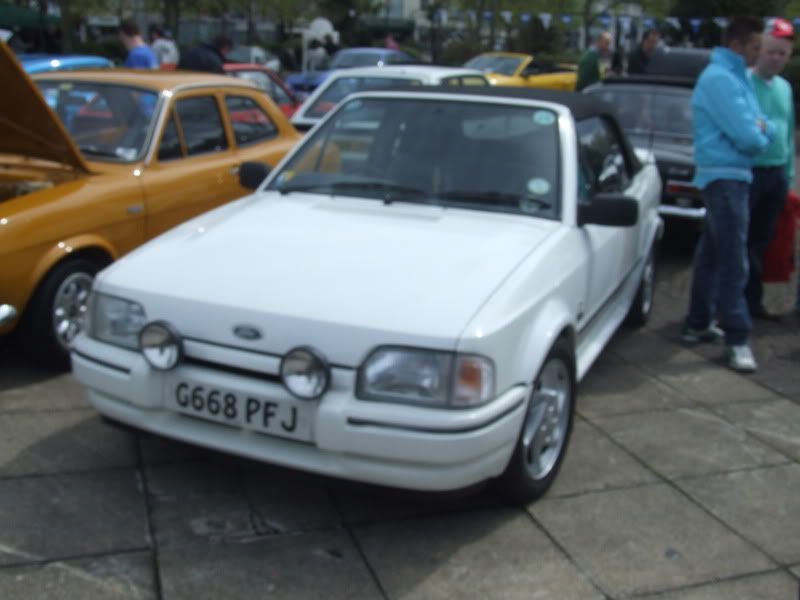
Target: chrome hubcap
(70,306)
(547,420)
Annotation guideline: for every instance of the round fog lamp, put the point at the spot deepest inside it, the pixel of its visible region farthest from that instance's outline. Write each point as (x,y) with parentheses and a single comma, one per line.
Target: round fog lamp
(305,373)
(160,345)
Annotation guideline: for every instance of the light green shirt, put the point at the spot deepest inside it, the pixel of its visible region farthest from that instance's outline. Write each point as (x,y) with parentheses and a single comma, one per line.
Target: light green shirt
(777,103)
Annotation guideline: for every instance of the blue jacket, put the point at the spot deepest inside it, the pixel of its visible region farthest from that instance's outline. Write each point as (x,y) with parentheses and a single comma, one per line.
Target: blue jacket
(726,117)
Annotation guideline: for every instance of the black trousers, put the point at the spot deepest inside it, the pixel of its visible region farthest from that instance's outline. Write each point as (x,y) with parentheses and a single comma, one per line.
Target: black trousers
(767,198)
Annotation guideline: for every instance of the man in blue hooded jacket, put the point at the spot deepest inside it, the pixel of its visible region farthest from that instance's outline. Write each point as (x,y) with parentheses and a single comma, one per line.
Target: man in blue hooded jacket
(729,132)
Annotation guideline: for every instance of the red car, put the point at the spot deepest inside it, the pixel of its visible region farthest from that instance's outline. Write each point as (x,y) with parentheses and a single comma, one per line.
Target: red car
(267,80)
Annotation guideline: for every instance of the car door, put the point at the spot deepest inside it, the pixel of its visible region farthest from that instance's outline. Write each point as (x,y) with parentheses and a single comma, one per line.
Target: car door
(195,166)
(260,132)
(605,168)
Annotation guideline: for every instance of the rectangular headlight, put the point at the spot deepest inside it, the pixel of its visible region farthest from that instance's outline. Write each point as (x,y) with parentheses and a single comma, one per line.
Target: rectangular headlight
(429,377)
(116,320)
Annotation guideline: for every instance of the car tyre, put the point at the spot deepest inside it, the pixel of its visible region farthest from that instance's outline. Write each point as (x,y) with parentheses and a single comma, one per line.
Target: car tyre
(55,313)
(642,304)
(546,429)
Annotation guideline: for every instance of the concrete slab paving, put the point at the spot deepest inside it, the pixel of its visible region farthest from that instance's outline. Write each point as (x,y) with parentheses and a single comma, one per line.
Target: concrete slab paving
(230,499)
(59,392)
(688,442)
(112,577)
(710,382)
(320,565)
(360,503)
(595,463)
(481,555)
(282,503)
(754,503)
(158,450)
(619,388)
(777,585)
(186,481)
(644,347)
(646,539)
(796,571)
(213,518)
(775,422)
(65,516)
(67,440)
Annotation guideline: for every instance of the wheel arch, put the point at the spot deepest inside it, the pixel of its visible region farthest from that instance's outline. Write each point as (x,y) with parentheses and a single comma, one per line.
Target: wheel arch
(552,324)
(89,247)
(84,246)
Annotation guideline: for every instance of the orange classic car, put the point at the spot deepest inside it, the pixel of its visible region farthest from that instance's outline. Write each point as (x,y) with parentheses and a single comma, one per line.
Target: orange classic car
(94,163)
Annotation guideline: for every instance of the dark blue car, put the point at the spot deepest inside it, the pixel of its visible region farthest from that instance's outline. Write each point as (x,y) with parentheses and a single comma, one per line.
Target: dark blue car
(306,82)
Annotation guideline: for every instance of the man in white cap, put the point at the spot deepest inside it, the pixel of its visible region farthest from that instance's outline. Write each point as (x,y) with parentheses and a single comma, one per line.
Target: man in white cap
(773,170)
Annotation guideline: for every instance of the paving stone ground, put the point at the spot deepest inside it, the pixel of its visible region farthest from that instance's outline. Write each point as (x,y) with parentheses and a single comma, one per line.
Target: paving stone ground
(682,481)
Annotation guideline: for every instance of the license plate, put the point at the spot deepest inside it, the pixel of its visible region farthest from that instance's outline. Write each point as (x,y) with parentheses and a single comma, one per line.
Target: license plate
(237,408)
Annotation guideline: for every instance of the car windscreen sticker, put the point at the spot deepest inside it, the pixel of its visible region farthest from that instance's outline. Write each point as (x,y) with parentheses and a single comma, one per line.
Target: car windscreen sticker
(284,177)
(538,186)
(354,105)
(544,117)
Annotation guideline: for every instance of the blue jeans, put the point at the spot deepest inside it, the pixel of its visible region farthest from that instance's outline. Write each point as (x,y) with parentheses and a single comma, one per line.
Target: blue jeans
(767,198)
(720,262)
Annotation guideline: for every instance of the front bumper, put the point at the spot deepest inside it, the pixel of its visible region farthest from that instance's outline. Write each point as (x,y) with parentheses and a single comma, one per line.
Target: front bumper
(671,210)
(381,443)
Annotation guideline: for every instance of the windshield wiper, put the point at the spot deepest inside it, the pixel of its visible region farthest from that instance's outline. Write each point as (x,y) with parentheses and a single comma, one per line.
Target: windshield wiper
(393,191)
(493,198)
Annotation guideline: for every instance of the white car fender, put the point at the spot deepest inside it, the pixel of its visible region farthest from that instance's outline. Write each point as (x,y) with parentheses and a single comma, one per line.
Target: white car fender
(552,320)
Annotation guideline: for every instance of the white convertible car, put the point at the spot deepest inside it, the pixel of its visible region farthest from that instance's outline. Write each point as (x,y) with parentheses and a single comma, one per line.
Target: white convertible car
(408,299)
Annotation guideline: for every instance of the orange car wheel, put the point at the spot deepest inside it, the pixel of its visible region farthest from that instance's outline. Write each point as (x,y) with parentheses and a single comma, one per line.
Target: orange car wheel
(55,314)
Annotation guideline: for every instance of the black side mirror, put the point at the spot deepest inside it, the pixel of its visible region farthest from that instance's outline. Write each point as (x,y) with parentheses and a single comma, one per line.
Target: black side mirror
(613,210)
(251,174)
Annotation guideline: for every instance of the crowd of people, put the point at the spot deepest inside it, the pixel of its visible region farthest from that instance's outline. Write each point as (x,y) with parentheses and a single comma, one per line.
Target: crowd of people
(743,114)
(162,52)
(744,127)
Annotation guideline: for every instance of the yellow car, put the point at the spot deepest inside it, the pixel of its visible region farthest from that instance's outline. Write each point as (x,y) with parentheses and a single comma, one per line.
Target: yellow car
(522,70)
(94,163)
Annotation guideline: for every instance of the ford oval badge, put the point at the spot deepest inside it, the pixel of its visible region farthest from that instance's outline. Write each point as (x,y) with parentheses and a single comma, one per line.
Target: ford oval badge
(247,333)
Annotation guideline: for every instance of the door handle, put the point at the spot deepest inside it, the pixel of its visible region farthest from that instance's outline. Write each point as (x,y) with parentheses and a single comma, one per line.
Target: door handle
(135,209)
(234,170)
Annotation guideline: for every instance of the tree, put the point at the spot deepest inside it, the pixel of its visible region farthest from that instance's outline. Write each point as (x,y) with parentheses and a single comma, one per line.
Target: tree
(344,15)
(726,8)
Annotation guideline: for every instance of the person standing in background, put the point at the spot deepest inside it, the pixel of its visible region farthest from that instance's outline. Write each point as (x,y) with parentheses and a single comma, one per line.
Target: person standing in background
(140,55)
(316,57)
(730,130)
(166,50)
(638,59)
(207,57)
(589,64)
(773,170)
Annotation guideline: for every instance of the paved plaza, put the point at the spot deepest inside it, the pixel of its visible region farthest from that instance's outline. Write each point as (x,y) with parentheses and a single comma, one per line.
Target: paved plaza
(682,481)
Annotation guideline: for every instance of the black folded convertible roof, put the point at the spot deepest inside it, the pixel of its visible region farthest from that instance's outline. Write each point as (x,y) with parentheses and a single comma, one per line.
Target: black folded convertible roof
(581,106)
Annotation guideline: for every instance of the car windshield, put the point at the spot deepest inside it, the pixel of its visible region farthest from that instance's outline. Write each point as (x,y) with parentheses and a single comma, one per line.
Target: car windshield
(344,86)
(502,65)
(263,81)
(106,122)
(448,153)
(657,111)
(346,60)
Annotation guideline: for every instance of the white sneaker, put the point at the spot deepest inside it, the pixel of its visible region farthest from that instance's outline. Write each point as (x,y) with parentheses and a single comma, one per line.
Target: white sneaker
(740,358)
